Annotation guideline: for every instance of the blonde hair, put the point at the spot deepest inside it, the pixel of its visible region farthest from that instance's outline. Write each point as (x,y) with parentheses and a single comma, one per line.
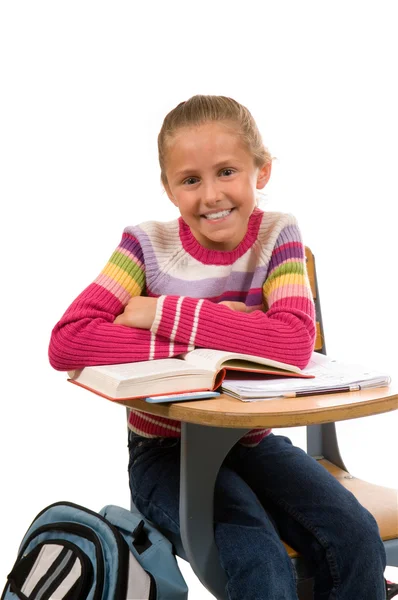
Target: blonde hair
(199,110)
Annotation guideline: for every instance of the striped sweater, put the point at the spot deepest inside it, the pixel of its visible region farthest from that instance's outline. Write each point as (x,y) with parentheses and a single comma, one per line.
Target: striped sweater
(266,271)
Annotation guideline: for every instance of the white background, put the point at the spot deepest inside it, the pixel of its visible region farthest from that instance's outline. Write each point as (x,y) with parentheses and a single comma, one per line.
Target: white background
(84,89)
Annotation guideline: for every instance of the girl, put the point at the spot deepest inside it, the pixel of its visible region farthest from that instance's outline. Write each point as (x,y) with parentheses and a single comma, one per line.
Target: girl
(224,275)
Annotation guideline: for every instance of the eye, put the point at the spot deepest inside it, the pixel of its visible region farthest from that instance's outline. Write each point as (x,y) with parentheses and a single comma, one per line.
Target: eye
(227,172)
(190,181)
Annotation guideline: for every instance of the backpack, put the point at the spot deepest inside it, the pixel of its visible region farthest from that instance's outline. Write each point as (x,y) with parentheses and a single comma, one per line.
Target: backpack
(72,553)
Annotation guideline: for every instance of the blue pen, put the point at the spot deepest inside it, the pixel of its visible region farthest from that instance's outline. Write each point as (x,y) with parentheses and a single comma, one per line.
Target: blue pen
(181,397)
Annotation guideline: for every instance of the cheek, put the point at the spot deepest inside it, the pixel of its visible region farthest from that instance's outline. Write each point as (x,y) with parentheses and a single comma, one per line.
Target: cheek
(245,192)
(187,203)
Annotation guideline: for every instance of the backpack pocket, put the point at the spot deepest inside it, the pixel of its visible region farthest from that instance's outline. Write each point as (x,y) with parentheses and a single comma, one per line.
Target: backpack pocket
(52,570)
(140,583)
(55,552)
(70,552)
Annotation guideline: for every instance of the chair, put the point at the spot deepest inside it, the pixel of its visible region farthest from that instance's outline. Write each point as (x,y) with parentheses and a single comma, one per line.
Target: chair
(322,444)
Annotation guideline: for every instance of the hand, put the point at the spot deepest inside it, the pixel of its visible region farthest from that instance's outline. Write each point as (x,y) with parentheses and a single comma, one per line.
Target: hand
(237,306)
(139,312)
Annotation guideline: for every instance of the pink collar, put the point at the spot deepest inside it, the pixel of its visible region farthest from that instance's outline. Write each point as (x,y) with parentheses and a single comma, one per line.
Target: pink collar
(220,257)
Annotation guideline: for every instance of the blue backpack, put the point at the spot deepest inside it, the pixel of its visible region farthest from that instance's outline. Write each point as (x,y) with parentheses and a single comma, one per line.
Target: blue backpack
(72,553)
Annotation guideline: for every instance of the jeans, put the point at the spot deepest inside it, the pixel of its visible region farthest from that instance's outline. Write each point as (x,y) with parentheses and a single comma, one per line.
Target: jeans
(271,491)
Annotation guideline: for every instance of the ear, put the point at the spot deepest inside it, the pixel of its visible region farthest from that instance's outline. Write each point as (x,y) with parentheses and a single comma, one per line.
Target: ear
(263,176)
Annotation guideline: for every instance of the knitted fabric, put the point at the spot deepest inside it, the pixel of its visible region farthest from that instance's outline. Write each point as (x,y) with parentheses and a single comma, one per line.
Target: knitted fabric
(266,271)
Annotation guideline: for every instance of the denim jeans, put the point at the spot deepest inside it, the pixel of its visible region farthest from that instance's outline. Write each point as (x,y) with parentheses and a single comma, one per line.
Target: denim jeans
(265,493)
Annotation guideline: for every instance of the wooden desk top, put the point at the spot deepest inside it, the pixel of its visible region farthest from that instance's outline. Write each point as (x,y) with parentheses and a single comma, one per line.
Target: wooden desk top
(226,411)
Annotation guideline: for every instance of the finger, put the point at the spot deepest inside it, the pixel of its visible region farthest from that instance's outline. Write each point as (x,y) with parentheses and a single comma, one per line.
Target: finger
(120,320)
(239,306)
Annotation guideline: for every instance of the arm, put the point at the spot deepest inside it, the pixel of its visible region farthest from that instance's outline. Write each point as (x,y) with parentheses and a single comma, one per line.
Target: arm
(286,332)
(86,334)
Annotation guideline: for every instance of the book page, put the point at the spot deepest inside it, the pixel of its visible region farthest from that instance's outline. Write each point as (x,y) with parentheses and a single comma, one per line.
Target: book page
(334,372)
(136,370)
(216,359)
(205,358)
(146,378)
(328,374)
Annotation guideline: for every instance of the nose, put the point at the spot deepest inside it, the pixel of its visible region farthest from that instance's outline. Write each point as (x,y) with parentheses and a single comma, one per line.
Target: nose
(211,193)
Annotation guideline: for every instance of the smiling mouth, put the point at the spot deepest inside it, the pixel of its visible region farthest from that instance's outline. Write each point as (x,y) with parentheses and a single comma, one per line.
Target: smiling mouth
(217,216)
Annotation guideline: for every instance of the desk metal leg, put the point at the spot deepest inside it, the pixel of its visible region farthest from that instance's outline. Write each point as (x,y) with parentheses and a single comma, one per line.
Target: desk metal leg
(203,450)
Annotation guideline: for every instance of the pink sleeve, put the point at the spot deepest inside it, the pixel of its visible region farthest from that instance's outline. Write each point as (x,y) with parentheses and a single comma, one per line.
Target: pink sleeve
(86,335)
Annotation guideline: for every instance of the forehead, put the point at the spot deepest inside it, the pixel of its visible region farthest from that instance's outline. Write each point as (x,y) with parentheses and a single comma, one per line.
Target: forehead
(208,141)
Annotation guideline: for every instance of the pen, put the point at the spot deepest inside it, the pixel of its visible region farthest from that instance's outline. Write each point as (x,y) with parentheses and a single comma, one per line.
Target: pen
(349,388)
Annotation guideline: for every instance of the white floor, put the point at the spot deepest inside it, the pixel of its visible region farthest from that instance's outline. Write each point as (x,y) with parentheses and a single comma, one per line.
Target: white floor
(391,574)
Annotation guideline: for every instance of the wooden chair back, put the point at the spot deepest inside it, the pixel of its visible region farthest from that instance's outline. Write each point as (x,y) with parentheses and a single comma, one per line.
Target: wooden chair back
(320,345)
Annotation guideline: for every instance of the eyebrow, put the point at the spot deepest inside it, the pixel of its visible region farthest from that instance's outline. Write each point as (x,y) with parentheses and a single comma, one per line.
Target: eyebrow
(216,166)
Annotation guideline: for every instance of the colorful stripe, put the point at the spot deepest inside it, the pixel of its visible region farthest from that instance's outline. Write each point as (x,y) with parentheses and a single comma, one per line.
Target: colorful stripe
(176,318)
(152,425)
(286,290)
(115,288)
(124,273)
(266,272)
(195,322)
(254,437)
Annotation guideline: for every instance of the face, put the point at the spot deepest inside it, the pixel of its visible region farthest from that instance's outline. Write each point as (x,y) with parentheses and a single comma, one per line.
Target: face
(212,179)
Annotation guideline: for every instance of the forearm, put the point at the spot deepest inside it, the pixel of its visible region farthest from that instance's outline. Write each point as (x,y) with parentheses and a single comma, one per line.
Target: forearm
(285,333)
(86,335)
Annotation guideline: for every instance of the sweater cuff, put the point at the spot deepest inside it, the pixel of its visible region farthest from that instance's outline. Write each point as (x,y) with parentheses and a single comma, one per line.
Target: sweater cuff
(158,315)
(174,323)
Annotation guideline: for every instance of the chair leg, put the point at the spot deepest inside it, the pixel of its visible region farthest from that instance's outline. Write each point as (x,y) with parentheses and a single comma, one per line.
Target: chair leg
(391,547)
(322,442)
(305,589)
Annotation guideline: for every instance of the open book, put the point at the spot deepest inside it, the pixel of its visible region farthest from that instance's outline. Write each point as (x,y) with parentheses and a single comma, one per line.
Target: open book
(329,376)
(200,369)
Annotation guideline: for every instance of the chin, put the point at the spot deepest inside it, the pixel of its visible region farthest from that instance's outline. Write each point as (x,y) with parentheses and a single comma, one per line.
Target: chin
(225,245)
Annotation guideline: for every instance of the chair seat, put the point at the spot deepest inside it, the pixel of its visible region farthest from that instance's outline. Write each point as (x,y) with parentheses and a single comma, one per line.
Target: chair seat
(380,501)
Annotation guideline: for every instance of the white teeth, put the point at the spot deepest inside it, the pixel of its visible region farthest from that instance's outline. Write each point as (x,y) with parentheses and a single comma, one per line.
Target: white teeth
(218,215)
